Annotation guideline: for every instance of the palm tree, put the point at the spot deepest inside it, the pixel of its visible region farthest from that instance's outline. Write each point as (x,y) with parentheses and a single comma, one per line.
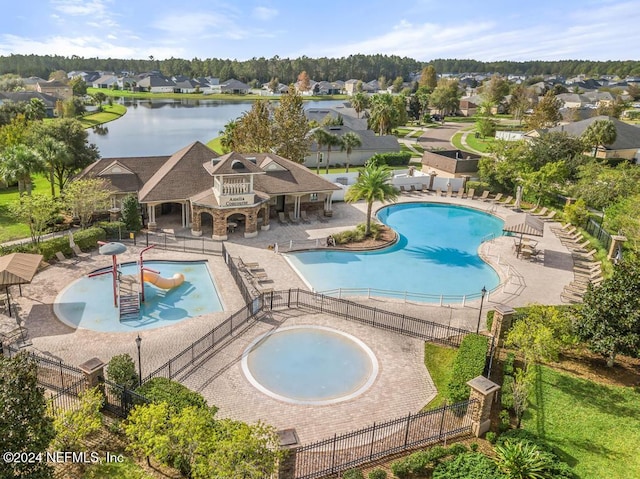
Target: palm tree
(324,138)
(18,163)
(226,136)
(381,113)
(373,184)
(52,152)
(350,140)
(600,133)
(359,102)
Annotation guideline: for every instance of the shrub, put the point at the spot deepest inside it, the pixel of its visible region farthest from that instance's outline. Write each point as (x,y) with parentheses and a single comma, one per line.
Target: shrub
(48,248)
(457,448)
(491,436)
(507,392)
(472,465)
(505,420)
(490,319)
(468,364)
(474,446)
(173,393)
(353,474)
(478,186)
(88,239)
(401,158)
(378,474)
(419,463)
(122,370)
(111,228)
(507,366)
(576,213)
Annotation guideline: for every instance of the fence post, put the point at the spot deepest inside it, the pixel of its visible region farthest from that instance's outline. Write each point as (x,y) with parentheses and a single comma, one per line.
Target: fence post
(483,391)
(373,437)
(333,453)
(93,371)
(289,299)
(406,432)
(444,412)
(169,369)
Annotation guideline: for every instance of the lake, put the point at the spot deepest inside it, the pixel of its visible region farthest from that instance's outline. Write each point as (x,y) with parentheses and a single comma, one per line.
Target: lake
(162,127)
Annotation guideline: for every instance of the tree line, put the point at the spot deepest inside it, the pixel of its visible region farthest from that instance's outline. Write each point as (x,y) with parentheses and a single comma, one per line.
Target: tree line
(286,70)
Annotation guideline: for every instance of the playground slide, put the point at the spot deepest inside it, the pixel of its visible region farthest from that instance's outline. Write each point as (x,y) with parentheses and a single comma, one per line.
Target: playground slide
(164,283)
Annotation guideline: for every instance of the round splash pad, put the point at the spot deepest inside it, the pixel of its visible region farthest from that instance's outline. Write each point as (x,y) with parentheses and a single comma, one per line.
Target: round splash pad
(312,365)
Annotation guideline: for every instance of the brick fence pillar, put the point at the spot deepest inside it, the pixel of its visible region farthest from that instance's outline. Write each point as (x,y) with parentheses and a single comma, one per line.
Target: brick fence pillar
(289,443)
(502,318)
(93,370)
(483,390)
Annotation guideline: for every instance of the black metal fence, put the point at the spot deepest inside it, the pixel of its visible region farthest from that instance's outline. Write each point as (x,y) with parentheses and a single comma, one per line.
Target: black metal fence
(341,452)
(119,400)
(597,231)
(371,316)
(52,374)
(67,398)
(169,242)
(237,275)
(190,356)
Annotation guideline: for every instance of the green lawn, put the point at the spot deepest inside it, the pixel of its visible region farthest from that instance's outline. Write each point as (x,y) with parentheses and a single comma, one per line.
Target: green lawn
(215,145)
(595,428)
(108,113)
(125,470)
(9,228)
(439,363)
(479,144)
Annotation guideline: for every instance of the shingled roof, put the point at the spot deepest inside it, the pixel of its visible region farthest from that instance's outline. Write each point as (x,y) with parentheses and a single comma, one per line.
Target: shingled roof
(179,175)
(627,138)
(285,176)
(143,169)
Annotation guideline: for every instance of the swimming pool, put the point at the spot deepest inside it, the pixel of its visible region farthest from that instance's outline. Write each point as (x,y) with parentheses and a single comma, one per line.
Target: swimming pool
(88,302)
(312,365)
(436,254)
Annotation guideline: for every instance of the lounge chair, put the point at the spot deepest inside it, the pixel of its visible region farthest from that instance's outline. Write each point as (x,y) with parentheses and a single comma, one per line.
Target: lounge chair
(485,196)
(496,198)
(62,259)
(585,256)
(542,212)
(569,297)
(470,194)
(78,252)
(460,193)
(403,189)
(550,216)
(303,216)
(570,233)
(506,202)
(438,192)
(449,192)
(581,247)
(282,219)
(561,228)
(322,219)
(292,217)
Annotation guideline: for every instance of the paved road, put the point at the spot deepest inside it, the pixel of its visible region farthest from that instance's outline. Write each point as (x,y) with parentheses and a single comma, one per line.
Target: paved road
(440,138)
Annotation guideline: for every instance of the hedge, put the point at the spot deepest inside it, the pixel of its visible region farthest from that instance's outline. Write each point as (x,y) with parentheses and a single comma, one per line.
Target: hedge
(401,158)
(112,228)
(420,463)
(173,393)
(478,186)
(88,239)
(468,364)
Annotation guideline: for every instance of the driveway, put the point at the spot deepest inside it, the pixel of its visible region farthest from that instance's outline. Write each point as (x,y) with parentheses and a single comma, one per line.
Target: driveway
(440,138)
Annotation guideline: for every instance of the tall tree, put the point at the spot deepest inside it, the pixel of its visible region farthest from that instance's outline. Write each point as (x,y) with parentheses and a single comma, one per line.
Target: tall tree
(609,319)
(99,98)
(78,86)
(519,102)
(81,153)
(227,136)
(446,96)
(52,152)
(381,113)
(495,89)
(25,425)
(82,198)
(598,134)
(373,184)
(35,109)
(349,141)
(359,102)
(304,82)
(397,84)
(19,163)
(131,213)
(291,127)
(546,113)
(37,211)
(253,131)
(428,78)
(324,138)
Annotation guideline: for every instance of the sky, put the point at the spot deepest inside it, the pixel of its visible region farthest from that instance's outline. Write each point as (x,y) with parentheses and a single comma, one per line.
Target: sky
(487,30)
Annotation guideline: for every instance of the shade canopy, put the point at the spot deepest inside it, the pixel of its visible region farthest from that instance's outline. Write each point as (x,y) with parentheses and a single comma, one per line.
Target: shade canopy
(112,248)
(18,268)
(524,223)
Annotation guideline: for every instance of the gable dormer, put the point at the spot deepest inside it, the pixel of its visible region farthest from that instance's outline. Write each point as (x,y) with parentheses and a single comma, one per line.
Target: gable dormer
(233,179)
(115,168)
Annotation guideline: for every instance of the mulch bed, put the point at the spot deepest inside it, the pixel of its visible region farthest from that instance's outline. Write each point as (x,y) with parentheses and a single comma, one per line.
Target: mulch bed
(387,237)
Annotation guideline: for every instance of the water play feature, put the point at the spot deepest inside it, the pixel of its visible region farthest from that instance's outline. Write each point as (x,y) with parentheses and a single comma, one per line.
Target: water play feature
(312,365)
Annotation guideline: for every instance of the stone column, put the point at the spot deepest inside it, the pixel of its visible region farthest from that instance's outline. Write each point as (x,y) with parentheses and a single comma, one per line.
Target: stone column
(502,318)
(266,214)
(615,250)
(288,442)
(219,226)
(483,391)
(196,223)
(93,371)
(432,179)
(251,224)
(151,210)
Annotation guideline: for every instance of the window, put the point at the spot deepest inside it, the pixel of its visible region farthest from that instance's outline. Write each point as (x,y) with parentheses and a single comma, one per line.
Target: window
(313,197)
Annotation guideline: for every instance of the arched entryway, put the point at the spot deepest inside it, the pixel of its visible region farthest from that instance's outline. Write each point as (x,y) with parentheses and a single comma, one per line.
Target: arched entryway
(236,223)
(206,224)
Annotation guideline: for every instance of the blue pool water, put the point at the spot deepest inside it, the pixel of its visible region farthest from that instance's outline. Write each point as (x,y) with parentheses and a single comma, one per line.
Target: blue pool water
(88,302)
(436,254)
(310,365)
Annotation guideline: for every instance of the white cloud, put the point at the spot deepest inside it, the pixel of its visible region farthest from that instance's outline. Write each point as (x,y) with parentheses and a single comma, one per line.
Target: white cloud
(79,7)
(265,13)
(196,23)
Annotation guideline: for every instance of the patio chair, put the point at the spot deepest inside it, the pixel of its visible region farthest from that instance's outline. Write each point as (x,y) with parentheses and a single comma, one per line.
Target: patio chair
(303,217)
(496,198)
(470,194)
(542,212)
(449,192)
(438,192)
(62,259)
(506,202)
(460,193)
(484,196)
(292,217)
(78,252)
(569,297)
(549,216)
(282,219)
(403,189)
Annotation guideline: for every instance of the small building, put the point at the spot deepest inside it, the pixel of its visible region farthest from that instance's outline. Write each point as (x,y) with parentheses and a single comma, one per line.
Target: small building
(208,193)
(450,163)
(26,96)
(55,88)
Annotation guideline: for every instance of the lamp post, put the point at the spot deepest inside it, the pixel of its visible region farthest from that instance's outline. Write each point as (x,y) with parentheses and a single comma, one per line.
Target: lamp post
(138,342)
(484,292)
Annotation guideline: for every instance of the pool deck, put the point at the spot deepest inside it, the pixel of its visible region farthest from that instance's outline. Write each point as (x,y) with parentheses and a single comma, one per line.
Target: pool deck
(524,282)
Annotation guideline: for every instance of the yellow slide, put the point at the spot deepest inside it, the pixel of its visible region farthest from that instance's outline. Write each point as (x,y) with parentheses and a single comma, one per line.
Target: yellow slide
(164,283)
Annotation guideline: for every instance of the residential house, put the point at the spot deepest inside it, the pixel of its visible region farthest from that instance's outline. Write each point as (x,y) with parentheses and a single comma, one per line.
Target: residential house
(31,82)
(348,116)
(233,87)
(371,144)
(105,81)
(574,100)
(186,86)
(211,193)
(26,96)
(55,88)
(156,83)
